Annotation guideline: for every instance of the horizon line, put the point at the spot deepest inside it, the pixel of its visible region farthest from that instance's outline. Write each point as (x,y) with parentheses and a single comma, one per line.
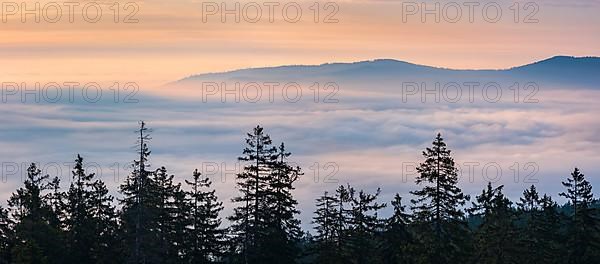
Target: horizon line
(381,59)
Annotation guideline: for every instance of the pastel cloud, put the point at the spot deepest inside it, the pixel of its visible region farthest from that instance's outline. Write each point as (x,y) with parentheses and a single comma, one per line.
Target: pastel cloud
(371,143)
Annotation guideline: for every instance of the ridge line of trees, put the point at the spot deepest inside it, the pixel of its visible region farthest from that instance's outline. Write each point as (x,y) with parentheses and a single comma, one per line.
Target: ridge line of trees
(161,221)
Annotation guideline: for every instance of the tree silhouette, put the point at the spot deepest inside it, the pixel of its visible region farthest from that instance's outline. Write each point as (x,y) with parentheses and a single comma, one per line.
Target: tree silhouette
(37,239)
(495,236)
(583,232)
(437,205)
(397,239)
(206,236)
(327,229)
(137,213)
(250,218)
(365,224)
(90,220)
(283,228)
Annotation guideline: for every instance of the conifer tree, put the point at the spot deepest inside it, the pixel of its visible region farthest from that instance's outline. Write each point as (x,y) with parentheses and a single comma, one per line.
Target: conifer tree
(163,192)
(342,224)
(550,234)
(365,224)
(583,245)
(283,228)
(6,236)
(326,229)
(437,205)
(56,199)
(249,218)
(347,225)
(332,224)
(79,225)
(532,226)
(105,248)
(90,219)
(180,226)
(206,236)
(38,239)
(138,215)
(495,237)
(397,237)
(530,202)
(579,191)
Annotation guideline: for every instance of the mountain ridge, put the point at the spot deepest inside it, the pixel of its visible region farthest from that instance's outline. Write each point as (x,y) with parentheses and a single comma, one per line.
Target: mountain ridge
(569,70)
(554,59)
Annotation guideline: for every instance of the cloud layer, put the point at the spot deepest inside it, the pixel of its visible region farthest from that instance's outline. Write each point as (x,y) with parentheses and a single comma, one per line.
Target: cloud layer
(368,136)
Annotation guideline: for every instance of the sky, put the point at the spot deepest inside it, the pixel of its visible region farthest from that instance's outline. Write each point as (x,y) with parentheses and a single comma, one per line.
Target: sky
(154,42)
(369,136)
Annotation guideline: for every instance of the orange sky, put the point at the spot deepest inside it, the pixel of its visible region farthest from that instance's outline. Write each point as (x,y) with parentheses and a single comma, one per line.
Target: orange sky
(171,41)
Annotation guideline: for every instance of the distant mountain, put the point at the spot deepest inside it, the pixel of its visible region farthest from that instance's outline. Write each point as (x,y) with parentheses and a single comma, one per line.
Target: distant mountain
(563,69)
(581,72)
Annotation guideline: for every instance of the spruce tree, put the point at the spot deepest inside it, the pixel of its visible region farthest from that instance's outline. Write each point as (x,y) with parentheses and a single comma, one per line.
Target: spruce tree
(530,202)
(7,239)
(531,226)
(437,206)
(38,239)
(332,224)
(397,237)
(342,223)
(138,215)
(206,236)
(163,192)
(365,225)
(326,229)
(79,225)
(180,226)
(347,225)
(579,191)
(249,219)
(56,199)
(90,219)
(283,228)
(495,236)
(550,232)
(583,245)
(105,248)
